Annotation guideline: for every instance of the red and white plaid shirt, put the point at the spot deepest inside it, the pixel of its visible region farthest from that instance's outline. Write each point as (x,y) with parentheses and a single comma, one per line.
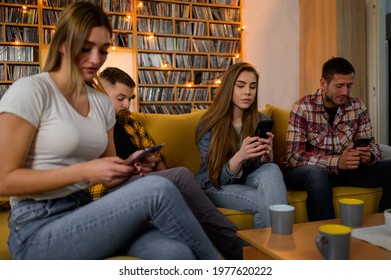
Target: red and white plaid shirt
(311,140)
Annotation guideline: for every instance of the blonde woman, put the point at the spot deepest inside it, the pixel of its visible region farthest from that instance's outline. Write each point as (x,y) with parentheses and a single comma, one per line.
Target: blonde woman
(57,139)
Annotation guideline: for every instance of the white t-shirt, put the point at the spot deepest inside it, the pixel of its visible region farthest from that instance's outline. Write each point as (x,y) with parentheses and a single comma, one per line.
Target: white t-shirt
(64,137)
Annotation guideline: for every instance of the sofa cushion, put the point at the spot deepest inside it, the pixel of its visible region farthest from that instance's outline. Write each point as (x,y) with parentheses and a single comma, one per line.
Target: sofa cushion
(243,220)
(178,133)
(385,152)
(280,128)
(4,232)
(4,203)
(371,197)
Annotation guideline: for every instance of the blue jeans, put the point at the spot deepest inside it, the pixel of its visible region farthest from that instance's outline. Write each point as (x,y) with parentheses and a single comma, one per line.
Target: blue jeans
(263,187)
(146,218)
(319,185)
(219,229)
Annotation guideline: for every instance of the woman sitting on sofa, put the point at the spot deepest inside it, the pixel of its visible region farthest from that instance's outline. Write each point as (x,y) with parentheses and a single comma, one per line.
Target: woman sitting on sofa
(56,138)
(237,170)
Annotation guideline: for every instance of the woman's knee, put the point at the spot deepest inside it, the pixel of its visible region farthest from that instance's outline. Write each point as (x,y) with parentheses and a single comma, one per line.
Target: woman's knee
(152,184)
(273,169)
(268,174)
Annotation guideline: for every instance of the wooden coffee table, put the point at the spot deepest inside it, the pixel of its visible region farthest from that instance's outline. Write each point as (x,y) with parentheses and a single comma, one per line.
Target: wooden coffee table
(300,245)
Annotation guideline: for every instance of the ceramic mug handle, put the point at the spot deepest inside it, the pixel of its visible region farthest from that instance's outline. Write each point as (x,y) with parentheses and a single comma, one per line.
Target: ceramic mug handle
(322,242)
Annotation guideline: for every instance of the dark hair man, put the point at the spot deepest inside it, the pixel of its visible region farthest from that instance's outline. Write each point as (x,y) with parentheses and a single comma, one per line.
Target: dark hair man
(322,130)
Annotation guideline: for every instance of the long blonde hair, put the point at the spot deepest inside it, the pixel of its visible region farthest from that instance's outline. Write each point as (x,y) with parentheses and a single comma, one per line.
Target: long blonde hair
(225,142)
(72,29)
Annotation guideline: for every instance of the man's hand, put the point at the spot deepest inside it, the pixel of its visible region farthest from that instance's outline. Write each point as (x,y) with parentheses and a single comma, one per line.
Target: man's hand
(365,155)
(145,165)
(349,159)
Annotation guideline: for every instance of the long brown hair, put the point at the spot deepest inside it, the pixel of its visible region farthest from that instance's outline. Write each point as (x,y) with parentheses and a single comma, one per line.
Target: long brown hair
(72,29)
(225,142)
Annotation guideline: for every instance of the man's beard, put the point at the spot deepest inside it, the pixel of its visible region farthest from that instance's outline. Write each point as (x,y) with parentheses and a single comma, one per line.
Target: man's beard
(121,117)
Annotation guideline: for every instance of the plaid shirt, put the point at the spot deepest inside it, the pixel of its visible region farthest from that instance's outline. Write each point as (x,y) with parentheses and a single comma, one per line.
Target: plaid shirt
(140,139)
(311,140)
(139,136)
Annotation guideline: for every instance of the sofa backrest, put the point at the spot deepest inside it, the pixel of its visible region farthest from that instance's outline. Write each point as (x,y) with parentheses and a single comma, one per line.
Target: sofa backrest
(177,132)
(280,128)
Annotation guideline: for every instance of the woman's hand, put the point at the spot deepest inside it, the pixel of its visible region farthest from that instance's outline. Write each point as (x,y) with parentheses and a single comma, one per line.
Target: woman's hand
(268,147)
(109,171)
(257,147)
(252,147)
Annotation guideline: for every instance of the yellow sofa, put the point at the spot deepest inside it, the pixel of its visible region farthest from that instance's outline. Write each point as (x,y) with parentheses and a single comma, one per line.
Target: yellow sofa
(177,132)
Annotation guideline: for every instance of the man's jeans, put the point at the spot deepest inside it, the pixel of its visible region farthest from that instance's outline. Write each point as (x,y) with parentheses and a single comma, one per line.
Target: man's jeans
(319,185)
(146,218)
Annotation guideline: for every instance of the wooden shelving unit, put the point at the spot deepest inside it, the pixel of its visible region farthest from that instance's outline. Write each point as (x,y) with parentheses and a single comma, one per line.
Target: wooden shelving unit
(19,41)
(182,48)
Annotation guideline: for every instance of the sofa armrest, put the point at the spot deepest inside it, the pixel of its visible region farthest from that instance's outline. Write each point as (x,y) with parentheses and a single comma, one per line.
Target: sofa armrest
(385,152)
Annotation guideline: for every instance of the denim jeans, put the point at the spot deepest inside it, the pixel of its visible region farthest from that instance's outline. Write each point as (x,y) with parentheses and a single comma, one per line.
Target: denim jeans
(263,187)
(319,185)
(146,218)
(220,230)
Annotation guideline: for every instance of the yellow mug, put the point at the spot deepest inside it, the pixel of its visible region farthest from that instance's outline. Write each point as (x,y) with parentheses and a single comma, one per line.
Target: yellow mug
(333,241)
(351,211)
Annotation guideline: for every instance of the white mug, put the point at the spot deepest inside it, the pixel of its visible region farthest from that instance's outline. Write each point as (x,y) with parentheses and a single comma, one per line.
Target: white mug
(387,219)
(281,218)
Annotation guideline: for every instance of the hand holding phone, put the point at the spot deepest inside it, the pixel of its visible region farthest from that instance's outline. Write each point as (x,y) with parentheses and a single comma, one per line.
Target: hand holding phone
(146,151)
(263,127)
(362,142)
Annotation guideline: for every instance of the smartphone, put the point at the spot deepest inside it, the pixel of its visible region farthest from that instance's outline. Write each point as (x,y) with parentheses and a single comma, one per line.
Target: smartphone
(263,127)
(147,151)
(362,142)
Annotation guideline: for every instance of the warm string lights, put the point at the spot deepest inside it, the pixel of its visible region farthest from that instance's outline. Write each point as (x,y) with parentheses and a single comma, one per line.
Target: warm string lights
(241,28)
(217,81)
